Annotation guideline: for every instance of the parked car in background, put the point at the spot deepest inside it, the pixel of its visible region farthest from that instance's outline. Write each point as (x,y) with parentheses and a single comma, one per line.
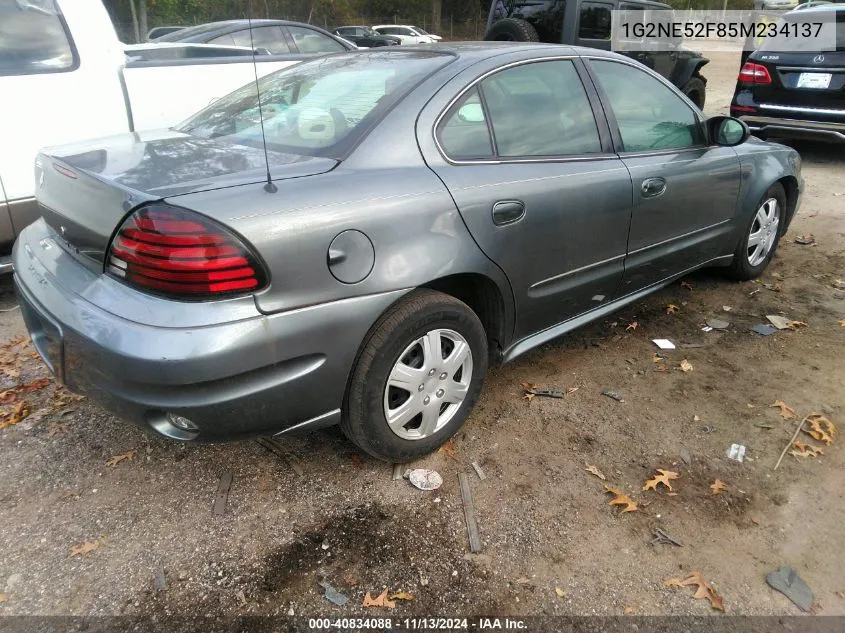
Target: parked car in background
(162,30)
(172,283)
(280,37)
(365,37)
(65,76)
(797,93)
(588,23)
(406,34)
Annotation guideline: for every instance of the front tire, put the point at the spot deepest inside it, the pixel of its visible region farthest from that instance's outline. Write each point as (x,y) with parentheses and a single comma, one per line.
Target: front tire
(761,237)
(417,378)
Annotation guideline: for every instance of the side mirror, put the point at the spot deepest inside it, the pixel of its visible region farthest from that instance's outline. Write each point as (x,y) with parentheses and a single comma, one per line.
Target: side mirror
(727,131)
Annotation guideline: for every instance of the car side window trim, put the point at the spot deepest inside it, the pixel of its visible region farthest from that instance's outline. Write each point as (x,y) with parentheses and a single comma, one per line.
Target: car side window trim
(613,124)
(607,147)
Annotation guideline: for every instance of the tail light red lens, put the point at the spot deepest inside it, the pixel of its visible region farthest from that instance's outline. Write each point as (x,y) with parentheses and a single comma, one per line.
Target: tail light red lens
(180,254)
(752,73)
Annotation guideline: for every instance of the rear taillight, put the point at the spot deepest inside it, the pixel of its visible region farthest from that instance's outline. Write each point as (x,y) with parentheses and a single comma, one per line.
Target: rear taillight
(752,73)
(181,254)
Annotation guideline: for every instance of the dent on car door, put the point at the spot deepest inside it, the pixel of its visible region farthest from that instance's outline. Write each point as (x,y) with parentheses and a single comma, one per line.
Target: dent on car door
(531,172)
(685,191)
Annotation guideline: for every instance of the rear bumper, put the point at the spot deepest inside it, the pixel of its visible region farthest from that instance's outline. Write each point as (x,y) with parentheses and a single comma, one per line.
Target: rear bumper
(795,128)
(255,374)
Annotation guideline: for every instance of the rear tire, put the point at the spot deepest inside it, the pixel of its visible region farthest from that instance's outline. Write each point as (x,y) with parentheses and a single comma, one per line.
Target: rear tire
(750,260)
(695,90)
(434,345)
(512,30)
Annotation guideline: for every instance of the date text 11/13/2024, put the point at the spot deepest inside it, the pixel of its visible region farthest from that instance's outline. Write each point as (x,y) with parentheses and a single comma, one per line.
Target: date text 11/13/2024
(417,624)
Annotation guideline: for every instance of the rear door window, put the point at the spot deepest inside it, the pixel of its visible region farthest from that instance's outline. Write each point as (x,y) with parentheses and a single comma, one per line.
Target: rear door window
(310,41)
(464,133)
(34,38)
(270,37)
(540,109)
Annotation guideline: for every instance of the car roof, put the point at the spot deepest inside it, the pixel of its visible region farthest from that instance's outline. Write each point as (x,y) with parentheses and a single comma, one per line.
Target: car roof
(226,26)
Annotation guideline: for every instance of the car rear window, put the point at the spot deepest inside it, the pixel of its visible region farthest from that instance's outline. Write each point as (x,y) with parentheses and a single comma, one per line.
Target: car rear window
(33,38)
(318,108)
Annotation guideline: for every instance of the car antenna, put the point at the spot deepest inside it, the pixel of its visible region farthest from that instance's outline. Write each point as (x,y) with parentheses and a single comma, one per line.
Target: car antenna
(269,187)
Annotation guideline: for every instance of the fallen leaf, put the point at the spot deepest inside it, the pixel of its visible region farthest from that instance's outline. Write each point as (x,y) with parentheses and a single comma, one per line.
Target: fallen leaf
(381,601)
(695,418)
(561,593)
(32,386)
(528,386)
(727,308)
(657,358)
(572,390)
(595,471)
(114,461)
(705,589)
(686,284)
(786,411)
(628,611)
(3,597)
(805,450)
(778,287)
(401,596)
(755,520)
(633,325)
(686,365)
(621,499)
(717,486)
(671,308)
(842,322)
(794,325)
(8,396)
(663,478)
(816,422)
(841,594)
(20,411)
(523,580)
(448,449)
(84,548)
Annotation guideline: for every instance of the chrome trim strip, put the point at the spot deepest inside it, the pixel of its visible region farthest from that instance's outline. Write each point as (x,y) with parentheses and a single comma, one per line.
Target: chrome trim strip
(783,108)
(817,69)
(535,340)
(679,237)
(327,419)
(574,271)
(820,126)
(6,265)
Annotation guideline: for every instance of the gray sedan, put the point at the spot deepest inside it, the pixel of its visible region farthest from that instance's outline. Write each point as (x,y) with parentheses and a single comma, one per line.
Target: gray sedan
(418,214)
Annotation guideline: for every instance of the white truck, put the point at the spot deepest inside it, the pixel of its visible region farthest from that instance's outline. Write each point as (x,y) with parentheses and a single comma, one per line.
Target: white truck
(65,77)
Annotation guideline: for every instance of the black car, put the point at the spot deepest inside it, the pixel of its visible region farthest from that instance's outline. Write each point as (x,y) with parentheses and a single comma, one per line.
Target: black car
(588,23)
(279,37)
(365,36)
(799,94)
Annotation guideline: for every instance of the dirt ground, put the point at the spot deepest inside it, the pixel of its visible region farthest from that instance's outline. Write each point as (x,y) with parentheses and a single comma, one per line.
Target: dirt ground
(551,542)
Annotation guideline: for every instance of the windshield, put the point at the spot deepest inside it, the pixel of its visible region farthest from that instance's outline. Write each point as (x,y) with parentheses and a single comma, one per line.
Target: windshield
(318,108)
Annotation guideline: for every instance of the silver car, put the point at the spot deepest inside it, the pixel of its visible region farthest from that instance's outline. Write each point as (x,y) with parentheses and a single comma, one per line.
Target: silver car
(418,214)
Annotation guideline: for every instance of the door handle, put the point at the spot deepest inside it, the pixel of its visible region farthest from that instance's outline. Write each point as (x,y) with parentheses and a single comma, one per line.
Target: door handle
(508,212)
(653,187)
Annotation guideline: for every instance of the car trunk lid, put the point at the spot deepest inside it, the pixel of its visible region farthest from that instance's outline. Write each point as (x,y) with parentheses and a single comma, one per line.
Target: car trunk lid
(84,191)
